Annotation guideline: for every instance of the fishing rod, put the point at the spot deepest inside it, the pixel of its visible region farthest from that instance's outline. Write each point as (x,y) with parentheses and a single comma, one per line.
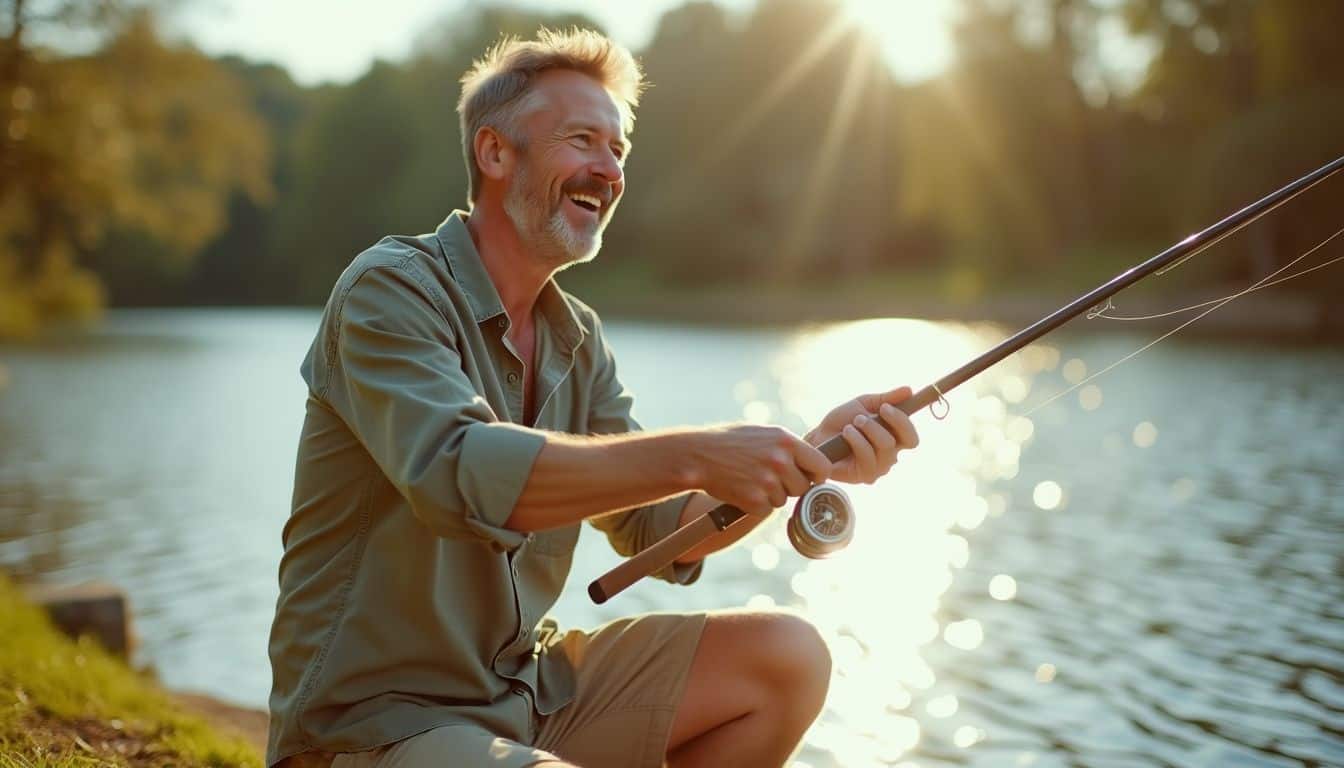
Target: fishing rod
(822,522)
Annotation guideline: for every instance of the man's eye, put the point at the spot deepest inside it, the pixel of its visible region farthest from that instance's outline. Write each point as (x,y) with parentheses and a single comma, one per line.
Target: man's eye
(582,138)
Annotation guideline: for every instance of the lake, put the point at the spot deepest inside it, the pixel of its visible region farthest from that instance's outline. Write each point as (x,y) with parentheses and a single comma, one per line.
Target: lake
(1147,571)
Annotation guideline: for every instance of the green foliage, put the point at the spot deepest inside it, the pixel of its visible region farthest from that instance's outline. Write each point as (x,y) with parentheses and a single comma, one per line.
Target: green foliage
(773,149)
(55,693)
(750,165)
(383,154)
(137,139)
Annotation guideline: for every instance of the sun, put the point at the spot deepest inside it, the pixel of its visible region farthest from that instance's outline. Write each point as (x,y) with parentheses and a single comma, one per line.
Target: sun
(914,35)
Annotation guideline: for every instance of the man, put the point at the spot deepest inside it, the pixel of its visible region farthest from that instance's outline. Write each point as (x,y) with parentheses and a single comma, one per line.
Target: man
(463,417)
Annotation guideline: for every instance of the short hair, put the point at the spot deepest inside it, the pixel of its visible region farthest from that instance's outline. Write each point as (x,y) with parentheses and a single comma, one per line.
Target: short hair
(495,87)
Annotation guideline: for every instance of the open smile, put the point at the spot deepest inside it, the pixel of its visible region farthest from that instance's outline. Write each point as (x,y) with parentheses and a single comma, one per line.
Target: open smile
(589,203)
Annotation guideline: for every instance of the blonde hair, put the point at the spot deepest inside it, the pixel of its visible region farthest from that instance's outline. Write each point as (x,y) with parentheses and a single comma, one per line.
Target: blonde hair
(495,87)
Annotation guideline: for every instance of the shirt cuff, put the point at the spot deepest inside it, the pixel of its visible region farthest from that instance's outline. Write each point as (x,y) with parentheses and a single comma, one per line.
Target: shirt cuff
(666,520)
(495,463)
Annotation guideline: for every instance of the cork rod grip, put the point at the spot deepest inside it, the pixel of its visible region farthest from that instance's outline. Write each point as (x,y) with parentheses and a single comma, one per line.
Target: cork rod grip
(659,555)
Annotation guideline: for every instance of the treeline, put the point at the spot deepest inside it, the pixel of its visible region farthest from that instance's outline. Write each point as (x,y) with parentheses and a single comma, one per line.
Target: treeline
(772,149)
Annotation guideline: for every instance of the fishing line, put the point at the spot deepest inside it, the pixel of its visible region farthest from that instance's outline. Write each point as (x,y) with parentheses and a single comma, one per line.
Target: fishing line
(1228,233)
(1217,303)
(1101,313)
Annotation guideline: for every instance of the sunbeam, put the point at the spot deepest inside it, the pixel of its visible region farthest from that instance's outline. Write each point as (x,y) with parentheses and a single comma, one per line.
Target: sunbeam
(821,176)
(751,117)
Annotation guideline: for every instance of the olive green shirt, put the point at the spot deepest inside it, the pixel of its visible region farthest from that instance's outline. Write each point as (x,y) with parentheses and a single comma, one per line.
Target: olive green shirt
(404,602)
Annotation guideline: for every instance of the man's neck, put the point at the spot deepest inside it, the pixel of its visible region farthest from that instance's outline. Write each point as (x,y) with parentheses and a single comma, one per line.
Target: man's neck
(518,277)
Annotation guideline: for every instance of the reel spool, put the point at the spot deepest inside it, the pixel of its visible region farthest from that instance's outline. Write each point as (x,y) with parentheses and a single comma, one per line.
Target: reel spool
(822,522)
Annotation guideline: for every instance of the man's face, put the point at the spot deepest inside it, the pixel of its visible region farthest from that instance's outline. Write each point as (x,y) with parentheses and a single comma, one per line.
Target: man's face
(569,176)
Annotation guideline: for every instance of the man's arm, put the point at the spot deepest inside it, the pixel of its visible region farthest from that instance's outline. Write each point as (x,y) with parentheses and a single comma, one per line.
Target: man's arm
(387,363)
(573,478)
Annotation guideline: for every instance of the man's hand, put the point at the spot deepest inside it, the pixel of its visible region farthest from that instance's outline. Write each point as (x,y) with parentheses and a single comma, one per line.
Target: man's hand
(755,468)
(873,447)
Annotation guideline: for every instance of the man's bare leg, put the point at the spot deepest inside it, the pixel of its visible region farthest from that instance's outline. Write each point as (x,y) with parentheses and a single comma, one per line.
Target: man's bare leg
(757,682)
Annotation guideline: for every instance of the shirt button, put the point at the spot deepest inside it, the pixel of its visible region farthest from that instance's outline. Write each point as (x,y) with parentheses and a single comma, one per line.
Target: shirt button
(513,378)
(503,322)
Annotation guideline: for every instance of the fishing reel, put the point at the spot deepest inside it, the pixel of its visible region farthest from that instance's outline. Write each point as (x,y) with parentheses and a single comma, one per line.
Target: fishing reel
(822,522)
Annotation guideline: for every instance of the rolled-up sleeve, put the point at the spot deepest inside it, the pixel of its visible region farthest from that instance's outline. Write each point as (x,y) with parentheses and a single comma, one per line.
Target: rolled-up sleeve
(393,373)
(611,412)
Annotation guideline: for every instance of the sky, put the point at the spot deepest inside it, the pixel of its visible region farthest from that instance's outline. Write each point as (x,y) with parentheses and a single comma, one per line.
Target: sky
(336,40)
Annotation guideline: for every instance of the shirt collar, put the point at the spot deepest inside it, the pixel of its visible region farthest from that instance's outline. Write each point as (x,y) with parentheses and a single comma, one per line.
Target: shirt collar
(464,262)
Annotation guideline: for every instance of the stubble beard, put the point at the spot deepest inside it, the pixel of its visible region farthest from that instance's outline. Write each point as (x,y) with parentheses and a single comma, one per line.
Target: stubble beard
(544,229)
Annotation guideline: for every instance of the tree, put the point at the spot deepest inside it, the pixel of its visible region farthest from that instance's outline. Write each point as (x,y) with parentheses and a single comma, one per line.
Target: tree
(384,154)
(1245,97)
(137,137)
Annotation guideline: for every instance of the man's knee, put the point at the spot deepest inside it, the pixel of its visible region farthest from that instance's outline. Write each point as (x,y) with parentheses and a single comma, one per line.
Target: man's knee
(787,656)
(801,659)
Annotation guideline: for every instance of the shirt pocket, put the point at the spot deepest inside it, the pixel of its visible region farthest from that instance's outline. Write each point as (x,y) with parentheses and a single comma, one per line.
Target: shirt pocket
(557,542)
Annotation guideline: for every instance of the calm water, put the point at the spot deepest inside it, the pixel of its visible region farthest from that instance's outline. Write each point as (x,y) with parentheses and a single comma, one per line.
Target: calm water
(1148,571)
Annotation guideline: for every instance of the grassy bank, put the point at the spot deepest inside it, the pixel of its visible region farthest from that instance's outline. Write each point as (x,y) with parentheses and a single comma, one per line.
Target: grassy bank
(65,703)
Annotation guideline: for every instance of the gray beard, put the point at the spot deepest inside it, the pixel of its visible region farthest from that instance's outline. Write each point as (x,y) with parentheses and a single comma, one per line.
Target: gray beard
(547,234)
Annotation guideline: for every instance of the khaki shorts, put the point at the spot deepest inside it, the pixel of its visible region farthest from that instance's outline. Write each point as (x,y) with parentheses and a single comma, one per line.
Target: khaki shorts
(630,676)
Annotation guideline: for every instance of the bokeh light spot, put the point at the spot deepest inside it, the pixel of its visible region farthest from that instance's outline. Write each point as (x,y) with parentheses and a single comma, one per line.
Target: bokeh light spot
(943,706)
(1003,587)
(1047,494)
(1014,389)
(760,603)
(1020,429)
(1183,489)
(966,635)
(765,557)
(1089,397)
(756,412)
(1075,371)
(968,736)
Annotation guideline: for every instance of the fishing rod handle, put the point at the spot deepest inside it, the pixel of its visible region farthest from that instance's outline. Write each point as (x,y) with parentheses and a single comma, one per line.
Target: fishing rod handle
(836,449)
(664,551)
(661,553)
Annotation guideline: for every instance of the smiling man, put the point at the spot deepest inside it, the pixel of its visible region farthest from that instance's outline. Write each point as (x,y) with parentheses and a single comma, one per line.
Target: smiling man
(463,418)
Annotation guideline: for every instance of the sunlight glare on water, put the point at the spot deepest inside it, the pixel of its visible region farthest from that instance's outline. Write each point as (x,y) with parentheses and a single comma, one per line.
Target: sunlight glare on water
(878,602)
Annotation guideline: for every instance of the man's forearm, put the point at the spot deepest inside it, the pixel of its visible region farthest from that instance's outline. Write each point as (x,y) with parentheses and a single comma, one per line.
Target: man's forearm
(576,477)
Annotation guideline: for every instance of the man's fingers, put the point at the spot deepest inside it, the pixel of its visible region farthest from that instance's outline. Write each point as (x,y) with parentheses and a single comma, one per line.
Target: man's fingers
(795,482)
(895,396)
(883,442)
(904,429)
(812,462)
(864,458)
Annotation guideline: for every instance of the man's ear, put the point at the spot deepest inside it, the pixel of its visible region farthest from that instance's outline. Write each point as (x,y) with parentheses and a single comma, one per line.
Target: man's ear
(494,155)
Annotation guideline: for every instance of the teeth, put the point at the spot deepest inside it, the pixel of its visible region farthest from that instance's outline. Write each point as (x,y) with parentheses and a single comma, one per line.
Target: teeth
(589,199)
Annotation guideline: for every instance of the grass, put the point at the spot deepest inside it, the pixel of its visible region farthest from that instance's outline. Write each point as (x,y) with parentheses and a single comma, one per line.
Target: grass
(70,704)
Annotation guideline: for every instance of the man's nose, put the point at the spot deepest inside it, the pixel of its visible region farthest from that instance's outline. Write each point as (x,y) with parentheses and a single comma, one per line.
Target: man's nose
(608,168)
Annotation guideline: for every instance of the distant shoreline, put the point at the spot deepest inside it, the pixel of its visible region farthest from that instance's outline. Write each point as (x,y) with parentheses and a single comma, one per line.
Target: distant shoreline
(1277,317)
